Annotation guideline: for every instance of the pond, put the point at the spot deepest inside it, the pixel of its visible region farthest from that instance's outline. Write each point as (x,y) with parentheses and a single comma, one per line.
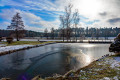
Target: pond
(50,59)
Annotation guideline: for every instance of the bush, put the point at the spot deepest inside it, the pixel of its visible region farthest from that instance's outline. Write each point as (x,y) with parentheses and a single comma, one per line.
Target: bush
(1,39)
(9,40)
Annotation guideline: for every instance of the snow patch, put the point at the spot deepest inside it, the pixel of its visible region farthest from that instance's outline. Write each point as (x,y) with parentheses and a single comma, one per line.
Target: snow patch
(16,47)
(115,78)
(106,78)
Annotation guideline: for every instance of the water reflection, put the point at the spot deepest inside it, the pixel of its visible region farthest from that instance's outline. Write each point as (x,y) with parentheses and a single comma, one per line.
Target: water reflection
(88,45)
(88,59)
(17,59)
(50,59)
(76,57)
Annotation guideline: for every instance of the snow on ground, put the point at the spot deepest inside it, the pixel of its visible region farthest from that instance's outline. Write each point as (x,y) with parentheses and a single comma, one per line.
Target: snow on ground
(117,58)
(2,45)
(16,47)
(113,63)
(106,68)
(62,40)
(105,78)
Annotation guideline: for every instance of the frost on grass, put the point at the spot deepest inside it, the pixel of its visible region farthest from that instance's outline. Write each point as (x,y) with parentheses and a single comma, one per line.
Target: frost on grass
(106,68)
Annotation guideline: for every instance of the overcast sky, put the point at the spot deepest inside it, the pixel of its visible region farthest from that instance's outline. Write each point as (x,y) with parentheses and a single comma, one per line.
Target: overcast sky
(40,14)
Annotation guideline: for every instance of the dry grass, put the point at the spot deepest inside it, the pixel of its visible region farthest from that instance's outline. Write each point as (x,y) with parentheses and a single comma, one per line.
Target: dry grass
(26,42)
(96,70)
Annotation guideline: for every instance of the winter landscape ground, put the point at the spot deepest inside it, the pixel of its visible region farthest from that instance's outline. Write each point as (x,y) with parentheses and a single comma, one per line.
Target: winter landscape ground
(105,68)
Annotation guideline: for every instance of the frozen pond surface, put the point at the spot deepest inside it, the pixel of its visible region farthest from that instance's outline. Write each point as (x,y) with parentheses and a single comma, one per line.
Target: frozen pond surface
(50,59)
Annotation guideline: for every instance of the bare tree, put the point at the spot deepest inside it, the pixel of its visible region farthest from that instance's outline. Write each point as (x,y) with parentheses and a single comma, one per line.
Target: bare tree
(52,33)
(76,19)
(46,33)
(18,26)
(69,33)
(63,26)
(68,20)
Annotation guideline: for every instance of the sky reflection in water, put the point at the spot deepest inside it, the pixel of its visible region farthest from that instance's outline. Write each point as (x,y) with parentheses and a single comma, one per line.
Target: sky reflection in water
(29,63)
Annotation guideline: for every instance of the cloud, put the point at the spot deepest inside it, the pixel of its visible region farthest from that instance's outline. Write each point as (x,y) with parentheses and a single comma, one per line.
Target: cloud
(11,3)
(4,25)
(105,11)
(34,28)
(7,13)
(32,21)
(101,10)
(103,14)
(114,20)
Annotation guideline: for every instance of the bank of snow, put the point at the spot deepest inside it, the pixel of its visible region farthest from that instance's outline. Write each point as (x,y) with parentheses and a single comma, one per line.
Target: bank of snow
(9,49)
(15,47)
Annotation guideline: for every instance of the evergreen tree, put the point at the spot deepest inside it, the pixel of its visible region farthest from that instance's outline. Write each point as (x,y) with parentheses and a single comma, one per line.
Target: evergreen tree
(17,26)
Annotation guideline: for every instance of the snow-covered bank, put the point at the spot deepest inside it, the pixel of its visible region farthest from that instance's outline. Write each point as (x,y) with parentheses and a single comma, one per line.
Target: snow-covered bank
(9,49)
(15,47)
(1,45)
(106,68)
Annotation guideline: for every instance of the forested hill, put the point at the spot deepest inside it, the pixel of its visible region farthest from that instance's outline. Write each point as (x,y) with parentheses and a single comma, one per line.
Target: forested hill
(88,32)
(6,33)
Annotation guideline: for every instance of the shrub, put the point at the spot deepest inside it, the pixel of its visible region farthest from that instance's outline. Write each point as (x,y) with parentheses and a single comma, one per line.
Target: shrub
(9,39)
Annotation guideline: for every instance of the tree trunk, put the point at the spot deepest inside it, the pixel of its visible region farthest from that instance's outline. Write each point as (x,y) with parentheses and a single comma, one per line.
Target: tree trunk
(75,35)
(17,37)
(63,35)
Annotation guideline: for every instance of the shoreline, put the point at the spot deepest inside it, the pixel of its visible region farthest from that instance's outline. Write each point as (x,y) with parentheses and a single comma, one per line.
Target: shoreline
(29,46)
(106,61)
(21,47)
(105,66)
(68,74)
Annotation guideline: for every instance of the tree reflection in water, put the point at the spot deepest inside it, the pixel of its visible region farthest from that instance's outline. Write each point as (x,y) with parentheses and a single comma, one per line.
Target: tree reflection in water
(62,58)
(17,59)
